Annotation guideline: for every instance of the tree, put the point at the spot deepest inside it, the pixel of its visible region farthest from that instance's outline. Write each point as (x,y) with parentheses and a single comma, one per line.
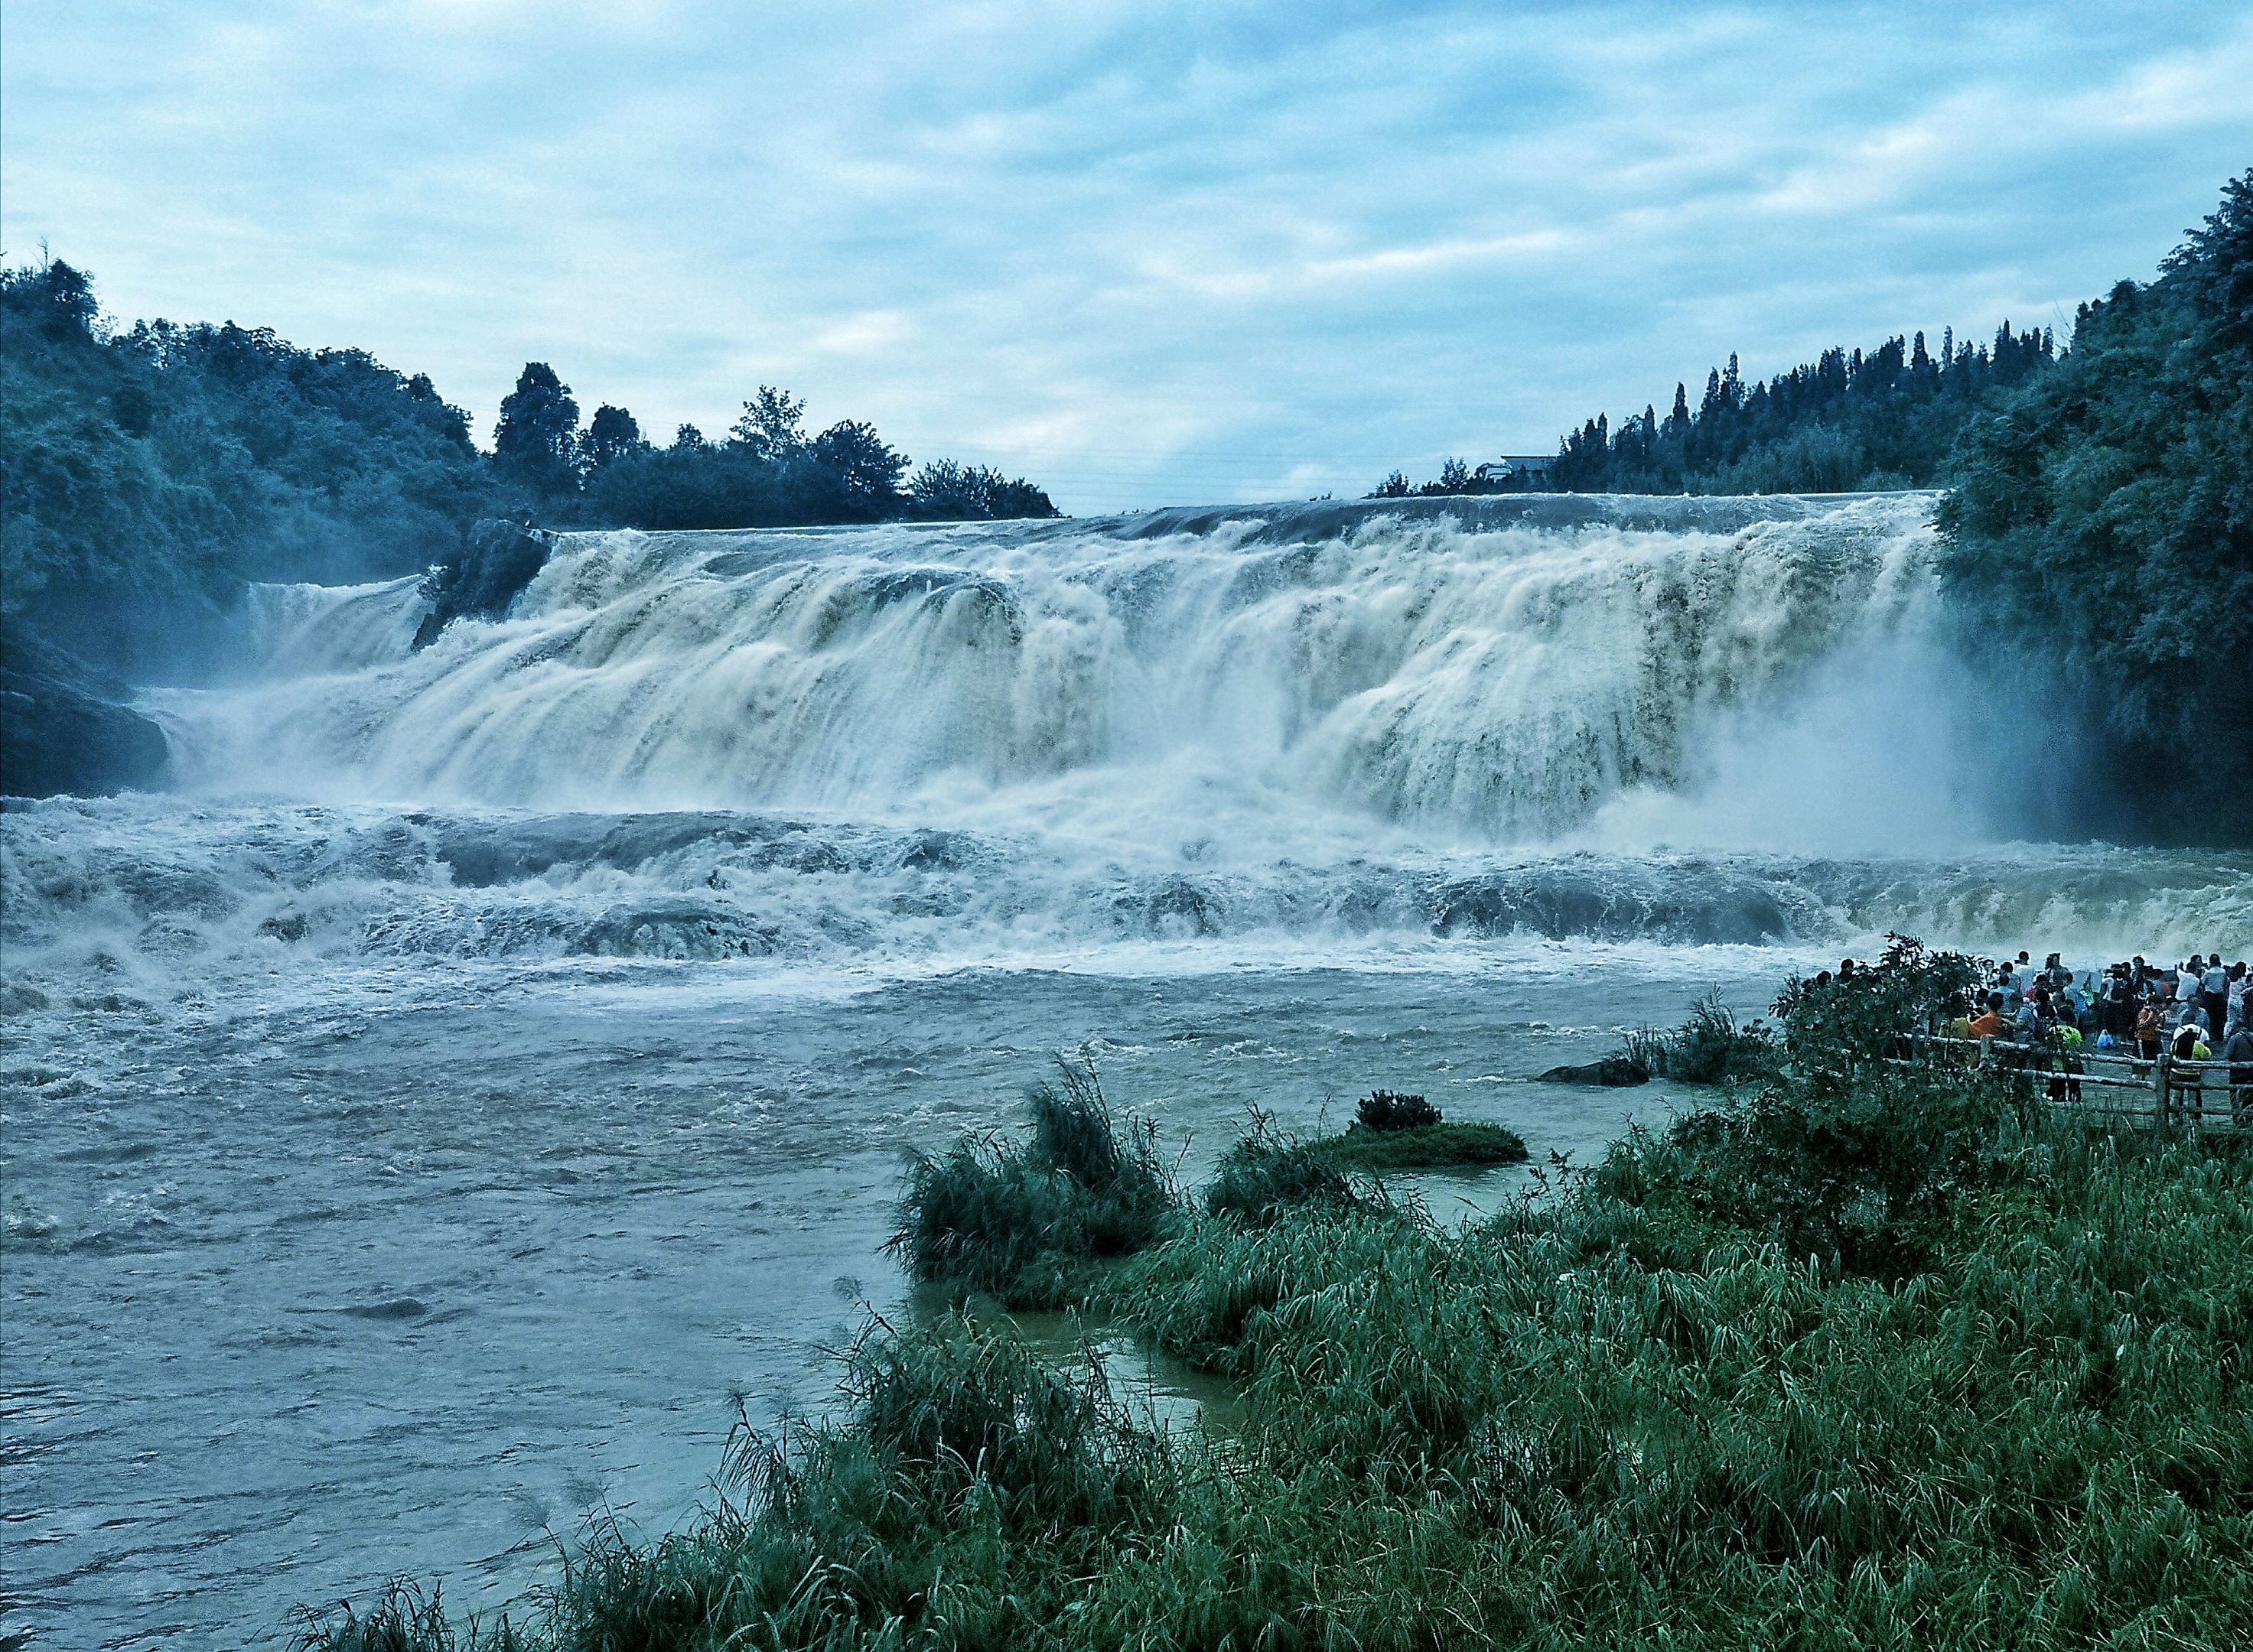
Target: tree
(859,466)
(611,434)
(770,427)
(2100,538)
(946,492)
(535,442)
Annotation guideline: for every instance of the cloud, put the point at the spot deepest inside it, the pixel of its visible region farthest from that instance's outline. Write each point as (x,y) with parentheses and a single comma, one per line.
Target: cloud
(1145,255)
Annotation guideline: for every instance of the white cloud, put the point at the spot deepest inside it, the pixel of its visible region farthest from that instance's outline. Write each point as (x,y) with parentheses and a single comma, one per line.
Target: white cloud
(1142,254)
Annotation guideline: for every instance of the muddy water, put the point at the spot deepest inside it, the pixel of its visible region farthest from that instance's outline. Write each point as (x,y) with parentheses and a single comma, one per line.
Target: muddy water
(380,1272)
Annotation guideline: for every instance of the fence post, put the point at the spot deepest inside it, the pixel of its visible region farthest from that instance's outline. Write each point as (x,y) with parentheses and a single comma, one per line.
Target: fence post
(2160,1078)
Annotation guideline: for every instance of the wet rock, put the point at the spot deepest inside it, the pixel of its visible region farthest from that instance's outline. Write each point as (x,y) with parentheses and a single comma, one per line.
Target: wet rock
(1613,1072)
(500,559)
(288,925)
(63,731)
(686,930)
(19,998)
(402,1308)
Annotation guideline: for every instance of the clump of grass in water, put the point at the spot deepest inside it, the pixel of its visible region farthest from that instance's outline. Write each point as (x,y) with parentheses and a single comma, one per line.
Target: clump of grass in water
(1021,1223)
(1428,1147)
(1709,1048)
(1886,1358)
(402,1619)
(1267,1174)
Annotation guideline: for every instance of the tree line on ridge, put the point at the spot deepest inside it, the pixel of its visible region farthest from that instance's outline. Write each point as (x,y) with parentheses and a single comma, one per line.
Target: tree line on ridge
(151,473)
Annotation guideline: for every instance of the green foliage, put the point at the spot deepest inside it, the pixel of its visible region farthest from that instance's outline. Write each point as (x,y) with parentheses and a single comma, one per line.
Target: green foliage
(1386,1110)
(943,492)
(2099,542)
(402,1619)
(1267,1174)
(1835,1024)
(536,439)
(1023,1223)
(148,474)
(1709,1048)
(1848,420)
(1422,1148)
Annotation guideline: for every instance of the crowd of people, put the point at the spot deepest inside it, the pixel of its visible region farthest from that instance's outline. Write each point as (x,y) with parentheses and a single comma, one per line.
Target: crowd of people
(2195,1011)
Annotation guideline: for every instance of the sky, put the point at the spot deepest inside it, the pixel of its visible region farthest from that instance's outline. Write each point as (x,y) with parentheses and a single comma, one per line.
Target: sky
(1144,254)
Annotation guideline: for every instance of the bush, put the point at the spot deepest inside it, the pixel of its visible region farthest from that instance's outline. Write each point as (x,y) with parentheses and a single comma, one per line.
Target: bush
(1386,1110)
(1708,1049)
(1022,1221)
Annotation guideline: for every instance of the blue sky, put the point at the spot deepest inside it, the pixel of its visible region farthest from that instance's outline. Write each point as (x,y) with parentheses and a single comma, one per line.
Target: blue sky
(1145,255)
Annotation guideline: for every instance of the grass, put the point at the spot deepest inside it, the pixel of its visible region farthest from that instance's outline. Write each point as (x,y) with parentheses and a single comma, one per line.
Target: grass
(1024,1221)
(1709,1048)
(1875,1360)
(1428,1147)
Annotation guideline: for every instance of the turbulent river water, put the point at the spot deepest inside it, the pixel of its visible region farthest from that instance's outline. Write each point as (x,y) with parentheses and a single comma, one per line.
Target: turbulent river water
(485,1068)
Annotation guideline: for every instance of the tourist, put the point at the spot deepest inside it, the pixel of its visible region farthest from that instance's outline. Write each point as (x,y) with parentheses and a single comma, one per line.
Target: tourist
(2031,1025)
(2237,1050)
(2151,1028)
(2214,989)
(1990,1025)
(2237,977)
(2068,1041)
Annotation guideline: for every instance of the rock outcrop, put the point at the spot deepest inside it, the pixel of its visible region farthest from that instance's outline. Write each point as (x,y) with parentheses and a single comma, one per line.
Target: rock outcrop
(62,730)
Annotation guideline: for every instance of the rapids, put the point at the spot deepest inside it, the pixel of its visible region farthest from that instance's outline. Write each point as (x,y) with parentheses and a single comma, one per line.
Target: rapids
(484,1067)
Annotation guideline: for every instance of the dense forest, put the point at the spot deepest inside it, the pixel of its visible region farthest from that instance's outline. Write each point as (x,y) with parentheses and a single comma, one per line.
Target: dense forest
(1849,421)
(149,473)
(2100,546)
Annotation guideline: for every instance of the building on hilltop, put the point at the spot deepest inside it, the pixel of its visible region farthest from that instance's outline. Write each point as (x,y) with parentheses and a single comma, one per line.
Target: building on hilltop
(1522,467)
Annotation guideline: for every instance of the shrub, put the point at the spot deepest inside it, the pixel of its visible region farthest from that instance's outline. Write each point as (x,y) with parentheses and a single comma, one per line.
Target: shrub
(1020,1222)
(1386,1109)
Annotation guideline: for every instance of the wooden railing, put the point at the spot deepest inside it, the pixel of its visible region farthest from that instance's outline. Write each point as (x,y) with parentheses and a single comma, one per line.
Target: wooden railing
(2164,1092)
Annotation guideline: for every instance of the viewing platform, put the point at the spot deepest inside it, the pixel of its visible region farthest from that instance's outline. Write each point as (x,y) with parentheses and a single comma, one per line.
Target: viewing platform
(2163,1092)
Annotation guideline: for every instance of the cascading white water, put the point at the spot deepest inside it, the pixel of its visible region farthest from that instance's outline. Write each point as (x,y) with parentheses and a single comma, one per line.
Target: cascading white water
(1501,680)
(1679,721)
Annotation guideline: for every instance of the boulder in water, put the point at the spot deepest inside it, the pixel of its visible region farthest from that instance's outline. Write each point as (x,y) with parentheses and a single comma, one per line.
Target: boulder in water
(1613,1072)
(500,559)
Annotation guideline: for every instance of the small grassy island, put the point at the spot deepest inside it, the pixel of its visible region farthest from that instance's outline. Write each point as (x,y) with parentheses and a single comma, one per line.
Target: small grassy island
(1856,1355)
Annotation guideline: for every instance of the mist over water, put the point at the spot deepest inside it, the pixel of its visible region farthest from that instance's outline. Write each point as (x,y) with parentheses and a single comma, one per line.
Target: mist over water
(483,1061)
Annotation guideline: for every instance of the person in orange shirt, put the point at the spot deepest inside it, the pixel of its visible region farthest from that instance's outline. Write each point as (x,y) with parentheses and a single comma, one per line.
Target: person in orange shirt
(1991,1024)
(2151,1028)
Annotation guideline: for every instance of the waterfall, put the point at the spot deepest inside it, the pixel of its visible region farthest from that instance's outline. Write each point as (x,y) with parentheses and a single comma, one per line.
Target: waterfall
(1501,673)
